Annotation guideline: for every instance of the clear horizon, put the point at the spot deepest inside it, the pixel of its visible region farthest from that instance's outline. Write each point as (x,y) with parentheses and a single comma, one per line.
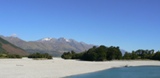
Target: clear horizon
(129,24)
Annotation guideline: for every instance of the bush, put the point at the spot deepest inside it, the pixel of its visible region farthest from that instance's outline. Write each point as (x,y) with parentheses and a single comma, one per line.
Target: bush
(5,55)
(156,56)
(14,56)
(38,55)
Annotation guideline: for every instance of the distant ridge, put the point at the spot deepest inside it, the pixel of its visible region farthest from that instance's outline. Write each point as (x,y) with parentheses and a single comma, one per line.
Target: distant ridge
(53,46)
(7,47)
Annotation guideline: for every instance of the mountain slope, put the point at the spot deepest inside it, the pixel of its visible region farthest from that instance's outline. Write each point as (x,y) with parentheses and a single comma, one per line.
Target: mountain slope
(6,47)
(53,46)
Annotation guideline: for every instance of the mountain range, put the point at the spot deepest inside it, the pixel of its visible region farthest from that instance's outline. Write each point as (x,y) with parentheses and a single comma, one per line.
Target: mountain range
(7,47)
(53,46)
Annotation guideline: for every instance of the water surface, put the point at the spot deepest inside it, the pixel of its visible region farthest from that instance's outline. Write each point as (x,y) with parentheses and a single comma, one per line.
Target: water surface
(124,72)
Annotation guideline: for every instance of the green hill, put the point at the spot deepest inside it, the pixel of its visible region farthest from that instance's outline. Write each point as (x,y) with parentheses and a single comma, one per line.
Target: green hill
(8,48)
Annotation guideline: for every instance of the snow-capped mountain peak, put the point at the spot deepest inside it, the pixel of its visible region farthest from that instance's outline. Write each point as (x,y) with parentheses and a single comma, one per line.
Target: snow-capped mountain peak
(46,39)
(64,39)
(67,40)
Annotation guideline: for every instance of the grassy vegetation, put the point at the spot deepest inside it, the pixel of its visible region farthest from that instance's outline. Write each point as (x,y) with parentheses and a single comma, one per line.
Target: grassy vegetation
(5,55)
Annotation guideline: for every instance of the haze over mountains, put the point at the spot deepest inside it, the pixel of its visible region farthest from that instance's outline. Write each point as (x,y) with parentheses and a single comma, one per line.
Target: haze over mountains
(52,46)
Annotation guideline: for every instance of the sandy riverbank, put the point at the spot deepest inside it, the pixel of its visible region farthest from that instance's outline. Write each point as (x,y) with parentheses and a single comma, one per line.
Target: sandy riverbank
(57,68)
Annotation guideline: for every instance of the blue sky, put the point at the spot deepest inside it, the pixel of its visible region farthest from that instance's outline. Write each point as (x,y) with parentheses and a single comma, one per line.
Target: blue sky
(129,24)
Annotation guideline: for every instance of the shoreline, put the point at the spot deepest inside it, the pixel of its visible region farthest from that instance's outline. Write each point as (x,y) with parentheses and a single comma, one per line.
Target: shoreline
(60,68)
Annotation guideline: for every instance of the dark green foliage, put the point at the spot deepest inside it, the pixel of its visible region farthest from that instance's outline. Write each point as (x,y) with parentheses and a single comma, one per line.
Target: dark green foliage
(67,55)
(130,56)
(114,53)
(101,53)
(5,55)
(134,56)
(156,56)
(71,55)
(145,54)
(90,55)
(127,56)
(77,55)
(139,54)
(14,56)
(38,55)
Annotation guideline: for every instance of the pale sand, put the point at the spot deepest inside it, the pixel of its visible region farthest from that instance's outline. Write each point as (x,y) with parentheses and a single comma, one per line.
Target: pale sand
(57,68)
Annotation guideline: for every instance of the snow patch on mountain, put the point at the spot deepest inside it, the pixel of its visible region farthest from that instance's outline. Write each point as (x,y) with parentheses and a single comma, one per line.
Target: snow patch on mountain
(46,39)
(64,39)
(67,40)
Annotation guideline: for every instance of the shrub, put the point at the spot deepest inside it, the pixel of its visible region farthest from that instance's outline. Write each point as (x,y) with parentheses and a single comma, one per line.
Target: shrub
(39,55)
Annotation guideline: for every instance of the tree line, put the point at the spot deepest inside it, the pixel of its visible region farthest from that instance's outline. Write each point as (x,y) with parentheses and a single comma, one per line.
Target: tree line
(103,53)
(100,53)
(142,54)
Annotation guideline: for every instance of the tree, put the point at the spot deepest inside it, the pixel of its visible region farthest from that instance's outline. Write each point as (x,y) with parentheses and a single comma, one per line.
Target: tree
(156,56)
(144,54)
(101,53)
(114,53)
(134,55)
(90,55)
(127,56)
(67,55)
